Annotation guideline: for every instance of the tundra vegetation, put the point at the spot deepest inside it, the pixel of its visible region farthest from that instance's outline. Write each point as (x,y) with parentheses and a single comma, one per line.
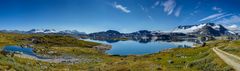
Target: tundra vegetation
(232,47)
(186,59)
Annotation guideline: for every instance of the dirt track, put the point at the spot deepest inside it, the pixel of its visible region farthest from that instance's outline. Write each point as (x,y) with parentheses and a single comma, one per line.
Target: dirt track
(228,58)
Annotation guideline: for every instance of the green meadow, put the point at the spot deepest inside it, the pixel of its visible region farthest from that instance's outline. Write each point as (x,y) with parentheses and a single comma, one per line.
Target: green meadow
(199,58)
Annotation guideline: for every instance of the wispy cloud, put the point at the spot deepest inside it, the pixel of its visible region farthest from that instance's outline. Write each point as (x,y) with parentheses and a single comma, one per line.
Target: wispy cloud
(230,21)
(178,11)
(169,6)
(211,17)
(156,4)
(220,17)
(196,9)
(121,8)
(233,27)
(215,8)
(150,17)
(143,8)
(235,19)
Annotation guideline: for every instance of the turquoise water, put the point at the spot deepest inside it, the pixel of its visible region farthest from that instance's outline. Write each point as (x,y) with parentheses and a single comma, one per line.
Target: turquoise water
(135,48)
(23,50)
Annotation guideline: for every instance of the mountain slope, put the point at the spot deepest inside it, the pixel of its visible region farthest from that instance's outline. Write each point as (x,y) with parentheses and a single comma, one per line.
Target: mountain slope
(45,31)
(42,31)
(210,29)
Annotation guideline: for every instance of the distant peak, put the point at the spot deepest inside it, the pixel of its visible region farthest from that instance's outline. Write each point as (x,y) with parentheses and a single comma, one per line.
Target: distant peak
(209,28)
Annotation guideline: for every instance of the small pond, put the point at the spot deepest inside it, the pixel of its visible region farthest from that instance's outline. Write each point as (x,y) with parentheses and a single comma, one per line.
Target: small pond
(22,50)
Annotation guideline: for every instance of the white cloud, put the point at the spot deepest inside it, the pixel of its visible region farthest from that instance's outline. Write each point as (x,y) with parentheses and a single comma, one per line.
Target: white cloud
(156,4)
(121,7)
(217,9)
(233,27)
(150,17)
(226,15)
(212,16)
(232,20)
(169,6)
(178,11)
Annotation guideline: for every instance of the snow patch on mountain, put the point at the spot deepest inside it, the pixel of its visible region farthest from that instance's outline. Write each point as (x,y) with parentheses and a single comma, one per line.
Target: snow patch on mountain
(195,28)
(42,31)
(71,32)
(231,32)
(46,31)
(188,29)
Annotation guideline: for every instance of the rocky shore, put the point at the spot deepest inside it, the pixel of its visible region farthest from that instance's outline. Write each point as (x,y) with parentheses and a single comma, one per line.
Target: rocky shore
(103,47)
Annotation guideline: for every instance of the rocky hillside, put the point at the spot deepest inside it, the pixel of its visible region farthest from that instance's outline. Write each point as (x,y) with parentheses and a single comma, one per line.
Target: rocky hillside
(207,29)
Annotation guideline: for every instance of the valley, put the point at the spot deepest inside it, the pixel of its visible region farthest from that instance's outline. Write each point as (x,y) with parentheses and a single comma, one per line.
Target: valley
(83,55)
(119,35)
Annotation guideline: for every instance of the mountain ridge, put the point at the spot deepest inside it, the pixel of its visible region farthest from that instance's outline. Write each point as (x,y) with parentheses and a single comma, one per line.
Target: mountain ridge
(205,29)
(44,31)
(209,29)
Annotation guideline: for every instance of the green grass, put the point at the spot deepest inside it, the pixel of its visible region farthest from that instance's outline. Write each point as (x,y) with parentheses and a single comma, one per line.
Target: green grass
(233,47)
(183,59)
(57,40)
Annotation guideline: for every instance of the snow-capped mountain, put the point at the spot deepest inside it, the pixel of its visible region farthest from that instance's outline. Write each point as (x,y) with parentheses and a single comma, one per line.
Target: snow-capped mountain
(157,31)
(46,31)
(71,32)
(42,31)
(204,29)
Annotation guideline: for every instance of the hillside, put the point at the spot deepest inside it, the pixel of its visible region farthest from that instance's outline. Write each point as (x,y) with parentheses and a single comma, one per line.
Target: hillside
(173,59)
(206,29)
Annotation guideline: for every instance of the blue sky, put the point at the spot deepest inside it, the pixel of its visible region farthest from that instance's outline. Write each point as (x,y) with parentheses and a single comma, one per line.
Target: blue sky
(122,15)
